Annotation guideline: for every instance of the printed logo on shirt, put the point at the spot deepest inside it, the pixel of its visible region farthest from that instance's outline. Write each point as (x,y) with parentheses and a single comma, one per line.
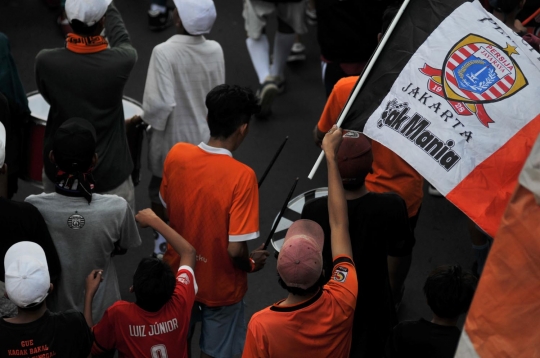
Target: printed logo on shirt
(153,329)
(183,278)
(76,221)
(28,347)
(341,274)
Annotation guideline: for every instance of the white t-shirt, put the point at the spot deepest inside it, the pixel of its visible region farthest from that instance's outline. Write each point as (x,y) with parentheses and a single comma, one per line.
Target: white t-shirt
(181,72)
(84,235)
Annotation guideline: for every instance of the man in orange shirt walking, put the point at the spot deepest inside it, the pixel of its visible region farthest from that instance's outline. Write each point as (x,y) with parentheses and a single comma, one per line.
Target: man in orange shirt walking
(213,201)
(314,320)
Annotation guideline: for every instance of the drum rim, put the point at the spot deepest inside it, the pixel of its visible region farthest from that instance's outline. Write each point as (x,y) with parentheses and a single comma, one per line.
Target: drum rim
(127,98)
(292,201)
(40,121)
(134,101)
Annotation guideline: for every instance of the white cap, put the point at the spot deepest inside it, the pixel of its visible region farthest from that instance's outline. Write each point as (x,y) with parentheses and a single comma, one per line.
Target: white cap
(27,274)
(86,11)
(2,145)
(197,16)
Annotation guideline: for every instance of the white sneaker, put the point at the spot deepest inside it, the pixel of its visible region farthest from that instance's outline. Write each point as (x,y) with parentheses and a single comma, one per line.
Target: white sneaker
(298,52)
(278,81)
(311,16)
(266,94)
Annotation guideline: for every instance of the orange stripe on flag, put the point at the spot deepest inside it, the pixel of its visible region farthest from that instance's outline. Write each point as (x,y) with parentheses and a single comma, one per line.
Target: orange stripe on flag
(503,318)
(484,194)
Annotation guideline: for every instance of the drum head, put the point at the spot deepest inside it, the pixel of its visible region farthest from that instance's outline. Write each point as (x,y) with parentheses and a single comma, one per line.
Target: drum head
(293,213)
(131,107)
(39,108)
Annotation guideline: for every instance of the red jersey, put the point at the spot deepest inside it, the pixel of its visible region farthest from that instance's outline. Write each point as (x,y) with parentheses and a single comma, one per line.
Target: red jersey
(135,332)
(318,327)
(211,199)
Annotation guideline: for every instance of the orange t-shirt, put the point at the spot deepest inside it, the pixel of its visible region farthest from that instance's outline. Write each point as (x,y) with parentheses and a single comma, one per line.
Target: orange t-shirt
(390,172)
(318,327)
(211,199)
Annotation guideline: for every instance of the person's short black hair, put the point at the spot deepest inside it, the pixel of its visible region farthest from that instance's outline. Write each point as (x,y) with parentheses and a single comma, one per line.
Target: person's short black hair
(32,308)
(229,107)
(507,6)
(449,290)
(301,291)
(81,28)
(153,284)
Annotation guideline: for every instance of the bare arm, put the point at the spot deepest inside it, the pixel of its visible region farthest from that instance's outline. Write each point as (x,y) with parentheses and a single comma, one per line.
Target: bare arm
(239,254)
(337,205)
(184,249)
(92,283)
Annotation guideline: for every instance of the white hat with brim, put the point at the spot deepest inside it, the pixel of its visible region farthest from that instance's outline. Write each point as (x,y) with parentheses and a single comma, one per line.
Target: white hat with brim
(26,274)
(86,11)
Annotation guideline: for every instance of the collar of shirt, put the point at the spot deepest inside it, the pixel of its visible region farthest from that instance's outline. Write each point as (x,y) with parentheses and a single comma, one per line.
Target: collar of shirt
(214,150)
(187,39)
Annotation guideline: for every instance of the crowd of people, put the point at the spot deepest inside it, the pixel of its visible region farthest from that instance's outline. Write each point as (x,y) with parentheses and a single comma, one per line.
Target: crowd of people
(342,265)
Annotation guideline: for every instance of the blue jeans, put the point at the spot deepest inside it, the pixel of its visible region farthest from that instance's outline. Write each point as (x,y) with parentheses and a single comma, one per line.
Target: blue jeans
(223,329)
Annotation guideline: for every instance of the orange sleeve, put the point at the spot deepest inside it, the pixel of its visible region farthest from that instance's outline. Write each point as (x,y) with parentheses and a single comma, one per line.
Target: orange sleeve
(344,284)
(253,348)
(244,214)
(164,184)
(335,103)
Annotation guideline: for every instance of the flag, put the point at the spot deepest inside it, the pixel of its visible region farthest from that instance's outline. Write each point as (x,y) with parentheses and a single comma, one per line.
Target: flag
(456,95)
(503,318)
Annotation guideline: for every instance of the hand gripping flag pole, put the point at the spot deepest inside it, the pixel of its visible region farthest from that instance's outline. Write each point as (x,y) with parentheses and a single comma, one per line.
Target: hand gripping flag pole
(363,78)
(273,161)
(278,219)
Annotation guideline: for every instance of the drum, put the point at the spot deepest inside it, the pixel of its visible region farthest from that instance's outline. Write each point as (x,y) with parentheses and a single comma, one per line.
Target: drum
(293,213)
(35,134)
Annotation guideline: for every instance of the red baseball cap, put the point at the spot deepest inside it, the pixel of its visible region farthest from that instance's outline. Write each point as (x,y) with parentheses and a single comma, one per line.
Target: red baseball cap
(300,260)
(354,157)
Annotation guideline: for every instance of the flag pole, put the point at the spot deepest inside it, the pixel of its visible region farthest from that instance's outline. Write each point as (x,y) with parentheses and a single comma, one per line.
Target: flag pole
(274,227)
(363,77)
(273,161)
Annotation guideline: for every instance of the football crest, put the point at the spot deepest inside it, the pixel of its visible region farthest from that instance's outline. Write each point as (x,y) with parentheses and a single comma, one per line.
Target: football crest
(476,71)
(76,221)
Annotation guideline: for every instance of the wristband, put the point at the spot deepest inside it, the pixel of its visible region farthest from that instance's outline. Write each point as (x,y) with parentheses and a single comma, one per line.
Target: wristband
(252,263)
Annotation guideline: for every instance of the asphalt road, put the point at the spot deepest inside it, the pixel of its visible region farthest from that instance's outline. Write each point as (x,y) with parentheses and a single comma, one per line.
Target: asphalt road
(441,233)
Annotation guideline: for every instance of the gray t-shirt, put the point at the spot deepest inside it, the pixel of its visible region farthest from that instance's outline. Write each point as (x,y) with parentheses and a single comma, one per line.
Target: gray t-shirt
(84,235)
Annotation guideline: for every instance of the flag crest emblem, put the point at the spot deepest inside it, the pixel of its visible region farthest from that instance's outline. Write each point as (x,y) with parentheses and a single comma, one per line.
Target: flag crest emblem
(476,71)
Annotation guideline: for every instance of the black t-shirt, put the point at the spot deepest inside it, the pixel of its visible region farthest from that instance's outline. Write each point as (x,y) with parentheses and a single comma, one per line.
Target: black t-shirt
(23,222)
(378,226)
(347,29)
(422,339)
(61,335)
(91,86)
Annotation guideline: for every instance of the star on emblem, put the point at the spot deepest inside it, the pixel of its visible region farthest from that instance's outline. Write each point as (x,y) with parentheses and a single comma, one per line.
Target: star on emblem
(510,50)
